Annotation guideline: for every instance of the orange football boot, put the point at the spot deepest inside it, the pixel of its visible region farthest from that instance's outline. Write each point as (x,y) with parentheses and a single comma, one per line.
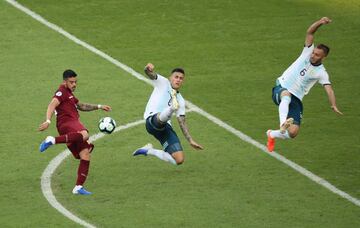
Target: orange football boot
(270,142)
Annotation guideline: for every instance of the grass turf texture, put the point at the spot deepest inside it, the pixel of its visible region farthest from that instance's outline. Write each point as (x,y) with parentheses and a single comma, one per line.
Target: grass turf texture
(237,48)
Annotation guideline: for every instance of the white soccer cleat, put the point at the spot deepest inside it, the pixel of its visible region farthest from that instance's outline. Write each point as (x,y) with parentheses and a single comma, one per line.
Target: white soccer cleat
(80,190)
(49,141)
(174,102)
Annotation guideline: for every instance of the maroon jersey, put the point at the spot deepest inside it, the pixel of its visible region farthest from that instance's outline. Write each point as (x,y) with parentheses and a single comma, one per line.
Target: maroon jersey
(67,110)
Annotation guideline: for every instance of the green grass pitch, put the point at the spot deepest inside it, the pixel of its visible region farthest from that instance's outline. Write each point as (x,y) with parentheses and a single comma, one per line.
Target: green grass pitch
(232,52)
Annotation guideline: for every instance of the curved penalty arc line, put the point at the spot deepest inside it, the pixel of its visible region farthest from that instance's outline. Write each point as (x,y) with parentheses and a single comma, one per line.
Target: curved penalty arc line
(54,164)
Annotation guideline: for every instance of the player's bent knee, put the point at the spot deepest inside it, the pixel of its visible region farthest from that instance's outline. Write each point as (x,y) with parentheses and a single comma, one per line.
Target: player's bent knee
(292,135)
(178,157)
(179,162)
(85,154)
(85,135)
(293,131)
(285,93)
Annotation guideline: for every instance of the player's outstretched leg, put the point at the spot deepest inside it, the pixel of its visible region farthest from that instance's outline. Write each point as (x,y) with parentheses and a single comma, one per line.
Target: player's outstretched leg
(149,150)
(166,114)
(286,125)
(49,141)
(72,137)
(174,102)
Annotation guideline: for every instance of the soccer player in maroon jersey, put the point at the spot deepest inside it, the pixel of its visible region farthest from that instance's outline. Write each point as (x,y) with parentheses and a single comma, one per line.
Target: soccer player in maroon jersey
(71,130)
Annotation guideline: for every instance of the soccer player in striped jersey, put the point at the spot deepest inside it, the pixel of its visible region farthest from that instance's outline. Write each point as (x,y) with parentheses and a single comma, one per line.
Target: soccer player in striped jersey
(164,101)
(296,82)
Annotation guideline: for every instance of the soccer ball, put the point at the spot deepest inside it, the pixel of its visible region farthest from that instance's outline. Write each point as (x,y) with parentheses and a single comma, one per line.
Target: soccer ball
(107,125)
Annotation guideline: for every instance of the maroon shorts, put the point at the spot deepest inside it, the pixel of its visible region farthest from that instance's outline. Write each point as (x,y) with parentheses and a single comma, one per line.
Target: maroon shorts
(75,126)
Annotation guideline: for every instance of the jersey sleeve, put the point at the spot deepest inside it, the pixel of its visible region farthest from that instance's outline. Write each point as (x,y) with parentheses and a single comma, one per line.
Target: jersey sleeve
(307,50)
(324,79)
(60,95)
(160,81)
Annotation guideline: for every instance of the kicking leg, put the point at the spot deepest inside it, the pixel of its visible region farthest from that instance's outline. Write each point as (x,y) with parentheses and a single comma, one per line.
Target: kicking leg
(168,139)
(71,137)
(166,114)
(149,150)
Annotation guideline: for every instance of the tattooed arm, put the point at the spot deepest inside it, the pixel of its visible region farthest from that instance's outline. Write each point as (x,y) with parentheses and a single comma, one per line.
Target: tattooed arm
(149,71)
(185,131)
(90,107)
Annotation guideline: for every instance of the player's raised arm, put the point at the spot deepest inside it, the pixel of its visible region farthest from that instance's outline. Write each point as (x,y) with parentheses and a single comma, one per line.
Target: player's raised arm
(49,112)
(331,95)
(149,71)
(91,107)
(185,131)
(313,28)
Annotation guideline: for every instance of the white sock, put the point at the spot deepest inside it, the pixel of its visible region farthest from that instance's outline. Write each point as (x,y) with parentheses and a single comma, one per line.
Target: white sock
(76,188)
(50,139)
(277,134)
(166,114)
(162,155)
(284,108)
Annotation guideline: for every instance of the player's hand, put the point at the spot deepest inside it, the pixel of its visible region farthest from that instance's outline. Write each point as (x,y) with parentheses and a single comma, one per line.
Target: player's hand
(44,126)
(335,109)
(106,108)
(325,20)
(150,67)
(196,145)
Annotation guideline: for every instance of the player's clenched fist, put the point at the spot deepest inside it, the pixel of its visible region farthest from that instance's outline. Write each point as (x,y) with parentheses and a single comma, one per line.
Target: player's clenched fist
(150,67)
(325,20)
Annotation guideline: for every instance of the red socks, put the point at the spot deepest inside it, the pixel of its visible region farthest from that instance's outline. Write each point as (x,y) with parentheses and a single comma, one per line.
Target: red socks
(72,137)
(83,171)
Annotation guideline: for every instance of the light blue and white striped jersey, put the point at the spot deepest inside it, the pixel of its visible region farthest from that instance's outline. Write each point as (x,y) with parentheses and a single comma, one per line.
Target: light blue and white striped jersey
(301,76)
(161,98)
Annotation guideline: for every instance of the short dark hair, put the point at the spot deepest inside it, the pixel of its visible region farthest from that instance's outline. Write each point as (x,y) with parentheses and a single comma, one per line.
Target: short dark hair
(178,69)
(323,47)
(69,74)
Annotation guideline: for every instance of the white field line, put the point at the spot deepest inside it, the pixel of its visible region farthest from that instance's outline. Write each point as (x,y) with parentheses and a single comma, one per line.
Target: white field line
(279,157)
(47,191)
(217,121)
(52,166)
